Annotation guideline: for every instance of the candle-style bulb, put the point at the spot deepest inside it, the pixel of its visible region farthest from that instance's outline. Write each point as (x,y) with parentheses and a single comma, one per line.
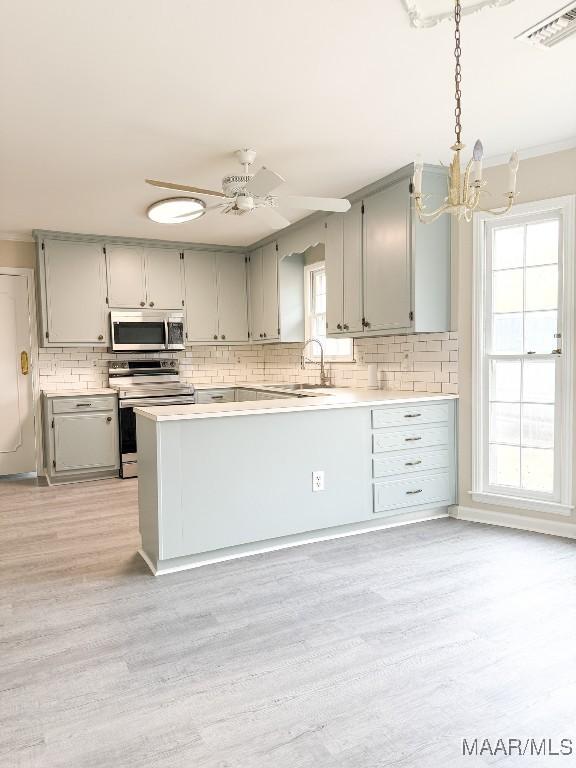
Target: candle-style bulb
(477,155)
(513,165)
(417,179)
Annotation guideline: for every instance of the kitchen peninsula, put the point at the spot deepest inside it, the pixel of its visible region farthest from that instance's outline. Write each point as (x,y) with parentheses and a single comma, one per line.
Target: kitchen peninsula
(229,479)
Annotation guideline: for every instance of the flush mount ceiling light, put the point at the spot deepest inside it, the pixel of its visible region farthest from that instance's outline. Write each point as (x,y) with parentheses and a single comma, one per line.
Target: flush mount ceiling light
(464,189)
(176,210)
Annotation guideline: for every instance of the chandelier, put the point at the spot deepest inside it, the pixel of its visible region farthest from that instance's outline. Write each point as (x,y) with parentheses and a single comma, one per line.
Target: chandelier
(464,190)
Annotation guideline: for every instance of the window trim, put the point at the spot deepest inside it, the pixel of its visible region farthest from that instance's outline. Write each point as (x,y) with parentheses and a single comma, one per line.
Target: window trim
(566,207)
(312,354)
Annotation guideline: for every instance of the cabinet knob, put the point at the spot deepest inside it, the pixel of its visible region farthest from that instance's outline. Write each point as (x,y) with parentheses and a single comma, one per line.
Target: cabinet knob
(260,335)
(109,419)
(151,303)
(100,338)
(142,303)
(264,335)
(346,327)
(367,324)
(339,326)
(215,336)
(223,337)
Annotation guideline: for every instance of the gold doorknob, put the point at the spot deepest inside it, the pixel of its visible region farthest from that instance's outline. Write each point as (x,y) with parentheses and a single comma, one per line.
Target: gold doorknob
(24,363)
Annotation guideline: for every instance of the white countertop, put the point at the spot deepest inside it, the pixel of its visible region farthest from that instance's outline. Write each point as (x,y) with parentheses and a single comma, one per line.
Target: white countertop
(321,400)
(78,392)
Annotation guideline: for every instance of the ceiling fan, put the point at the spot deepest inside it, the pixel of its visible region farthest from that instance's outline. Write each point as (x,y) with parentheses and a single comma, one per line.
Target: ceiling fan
(245,193)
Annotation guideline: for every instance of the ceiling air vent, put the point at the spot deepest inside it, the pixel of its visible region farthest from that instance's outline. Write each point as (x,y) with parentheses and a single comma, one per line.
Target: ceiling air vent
(553,29)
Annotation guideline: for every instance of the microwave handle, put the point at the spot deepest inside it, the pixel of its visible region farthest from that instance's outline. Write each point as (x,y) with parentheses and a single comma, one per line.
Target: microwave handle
(166,339)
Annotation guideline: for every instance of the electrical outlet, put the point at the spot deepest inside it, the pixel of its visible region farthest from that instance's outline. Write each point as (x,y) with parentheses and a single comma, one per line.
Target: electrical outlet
(318,480)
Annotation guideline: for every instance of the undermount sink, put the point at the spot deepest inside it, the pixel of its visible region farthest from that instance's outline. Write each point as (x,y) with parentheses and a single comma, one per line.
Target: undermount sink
(299,387)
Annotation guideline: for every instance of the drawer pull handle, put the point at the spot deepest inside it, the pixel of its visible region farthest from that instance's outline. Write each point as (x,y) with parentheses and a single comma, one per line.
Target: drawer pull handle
(413,463)
(412,415)
(412,439)
(83,405)
(411,493)
(217,397)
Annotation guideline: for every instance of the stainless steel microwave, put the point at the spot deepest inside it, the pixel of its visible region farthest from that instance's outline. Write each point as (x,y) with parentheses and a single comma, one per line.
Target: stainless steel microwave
(141,331)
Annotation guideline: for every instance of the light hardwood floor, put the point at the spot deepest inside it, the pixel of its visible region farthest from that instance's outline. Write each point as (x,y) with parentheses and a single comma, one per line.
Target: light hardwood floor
(379,650)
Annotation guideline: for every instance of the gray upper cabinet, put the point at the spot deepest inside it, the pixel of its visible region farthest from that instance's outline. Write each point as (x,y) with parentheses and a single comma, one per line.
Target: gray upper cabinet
(386,272)
(343,254)
(386,245)
(72,278)
(216,297)
(141,277)
(263,291)
(232,297)
(126,276)
(164,283)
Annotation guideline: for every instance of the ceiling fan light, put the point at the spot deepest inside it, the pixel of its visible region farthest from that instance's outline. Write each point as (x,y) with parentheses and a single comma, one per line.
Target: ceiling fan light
(176,210)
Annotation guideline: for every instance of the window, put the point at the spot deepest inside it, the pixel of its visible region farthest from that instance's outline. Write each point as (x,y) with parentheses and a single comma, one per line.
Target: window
(315,301)
(523,369)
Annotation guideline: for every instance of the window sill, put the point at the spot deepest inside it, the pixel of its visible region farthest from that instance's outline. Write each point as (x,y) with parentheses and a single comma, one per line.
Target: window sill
(518,502)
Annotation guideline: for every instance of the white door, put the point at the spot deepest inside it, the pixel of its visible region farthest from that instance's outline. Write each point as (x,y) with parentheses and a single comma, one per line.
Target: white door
(164,278)
(255,294)
(387,259)
(75,292)
(352,270)
(125,269)
(232,299)
(17,443)
(85,441)
(270,316)
(201,296)
(333,256)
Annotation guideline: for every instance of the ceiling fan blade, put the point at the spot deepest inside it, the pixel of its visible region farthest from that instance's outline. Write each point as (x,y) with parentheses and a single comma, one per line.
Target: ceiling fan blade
(263,182)
(184,188)
(275,219)
(336,204)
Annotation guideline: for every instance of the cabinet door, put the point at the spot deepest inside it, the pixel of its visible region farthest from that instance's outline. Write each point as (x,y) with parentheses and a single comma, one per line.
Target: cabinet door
(125,270)
(232,297)
(270,317)
(76,311)
(387,258)
(255,295)
(85,441)
(334,261)
(352,270)
(164,278)
(201,292)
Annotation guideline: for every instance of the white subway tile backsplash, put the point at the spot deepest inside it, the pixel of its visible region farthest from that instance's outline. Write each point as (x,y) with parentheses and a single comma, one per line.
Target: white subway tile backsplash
(421,362)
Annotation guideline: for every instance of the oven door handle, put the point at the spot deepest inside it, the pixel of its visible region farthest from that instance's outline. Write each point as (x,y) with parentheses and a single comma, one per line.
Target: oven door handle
(146,402)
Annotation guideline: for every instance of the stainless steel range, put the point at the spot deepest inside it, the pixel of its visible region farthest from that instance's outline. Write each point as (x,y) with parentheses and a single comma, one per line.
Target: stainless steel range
(140,383)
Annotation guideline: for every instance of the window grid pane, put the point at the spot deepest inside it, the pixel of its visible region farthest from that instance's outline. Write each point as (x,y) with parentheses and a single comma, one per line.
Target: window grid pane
(524,303)
(317,320)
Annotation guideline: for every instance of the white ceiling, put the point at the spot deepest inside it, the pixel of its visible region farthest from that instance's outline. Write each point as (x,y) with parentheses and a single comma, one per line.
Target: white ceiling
(334,94)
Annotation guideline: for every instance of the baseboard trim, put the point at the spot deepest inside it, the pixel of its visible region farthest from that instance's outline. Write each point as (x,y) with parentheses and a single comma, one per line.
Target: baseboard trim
(511,520)
(187,562)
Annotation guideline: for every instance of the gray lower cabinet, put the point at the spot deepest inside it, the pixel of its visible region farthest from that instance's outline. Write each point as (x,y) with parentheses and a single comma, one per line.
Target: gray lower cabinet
(237,394)
(80,437)
(413,456)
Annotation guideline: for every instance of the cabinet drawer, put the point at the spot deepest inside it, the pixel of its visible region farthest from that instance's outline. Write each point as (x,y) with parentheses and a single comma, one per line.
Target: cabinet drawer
(405,439)
(410,415)
(411,461)
(411,492)
(215,396)
(83,404)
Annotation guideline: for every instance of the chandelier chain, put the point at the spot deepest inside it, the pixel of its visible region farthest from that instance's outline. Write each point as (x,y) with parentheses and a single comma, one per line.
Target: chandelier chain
(458,72)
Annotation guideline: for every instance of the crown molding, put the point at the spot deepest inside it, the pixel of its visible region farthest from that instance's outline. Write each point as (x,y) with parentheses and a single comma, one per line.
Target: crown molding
(17,237)
(537,151)
(420,21)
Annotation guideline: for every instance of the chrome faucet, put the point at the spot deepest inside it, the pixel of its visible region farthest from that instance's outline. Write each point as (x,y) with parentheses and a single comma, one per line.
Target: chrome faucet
(324,378)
